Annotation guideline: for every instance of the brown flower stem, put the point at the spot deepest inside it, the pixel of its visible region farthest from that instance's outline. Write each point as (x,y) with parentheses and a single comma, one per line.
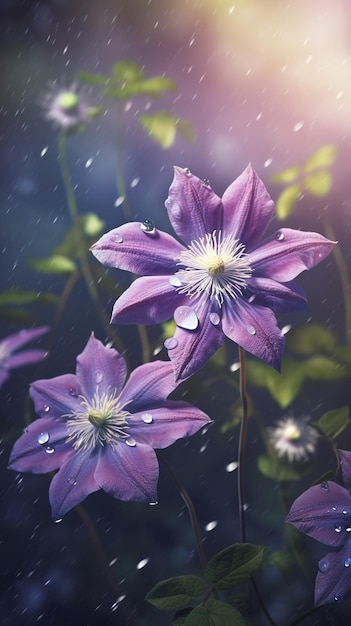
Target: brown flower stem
(191,510)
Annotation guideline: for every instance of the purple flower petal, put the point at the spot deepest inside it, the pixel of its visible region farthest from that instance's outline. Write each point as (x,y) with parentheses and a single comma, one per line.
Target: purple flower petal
(26,357)
(56,397)
(255,329)
(247,208)
(14,342)
(193,208)
(128,473)
(149,300)
(333,580)
(190,349)
(289,253)
(42,447)
(130,248)
(100,368)
(345,461)
(148,386)
(324,513)
(279,297)
(73,482)
(161,427)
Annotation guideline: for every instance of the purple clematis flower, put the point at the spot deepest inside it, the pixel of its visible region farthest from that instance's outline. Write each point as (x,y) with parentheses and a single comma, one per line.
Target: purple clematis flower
(324,513)
(9,345)
(100,431)
(219,282)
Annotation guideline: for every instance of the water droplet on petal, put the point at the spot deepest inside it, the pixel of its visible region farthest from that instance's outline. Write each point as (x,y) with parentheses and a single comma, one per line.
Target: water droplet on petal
(347,561)
(153,503)
(323,564)
(185,317)
(46,408)
(325,485)
(214,319)
(99,376)
(251,330)
(338,528)
(348,529)
(57,521)
(49,449)
(344,512)
(170,343)
(252,298)
(130,442)
(206,183)
(117,238)
(175,281)
(280,236)
(338,597)
(43,438)
(71,480)
(334,508)
(147,418)
(73,393)
(147,226)
(187,171)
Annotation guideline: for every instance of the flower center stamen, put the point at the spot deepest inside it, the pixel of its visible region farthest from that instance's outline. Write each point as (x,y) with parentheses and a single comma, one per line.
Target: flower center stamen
(214,265)
(102,420)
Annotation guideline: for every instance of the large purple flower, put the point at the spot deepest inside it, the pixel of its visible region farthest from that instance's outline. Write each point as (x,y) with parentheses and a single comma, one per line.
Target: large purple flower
(12,343)
(220,282)
(100,432)
(324,513)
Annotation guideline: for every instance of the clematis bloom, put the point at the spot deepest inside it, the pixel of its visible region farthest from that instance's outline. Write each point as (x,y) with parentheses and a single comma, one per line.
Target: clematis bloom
(68,108)
(324,513)
(219,281)
(10,359)
(294,439)
(100,432)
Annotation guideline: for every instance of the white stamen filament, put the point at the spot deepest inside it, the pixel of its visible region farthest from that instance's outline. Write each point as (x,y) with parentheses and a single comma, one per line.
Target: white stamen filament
(99,421)
(217,266)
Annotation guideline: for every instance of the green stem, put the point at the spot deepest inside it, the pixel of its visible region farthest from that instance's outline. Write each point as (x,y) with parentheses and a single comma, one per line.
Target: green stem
(120,182)
(242,441)
(191,509)
(82,250)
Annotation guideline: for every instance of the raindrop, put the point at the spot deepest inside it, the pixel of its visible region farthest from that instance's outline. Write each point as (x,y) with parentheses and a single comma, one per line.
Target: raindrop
(231,467)
(57,521)
(71,480)
(214,319)
(338,528)
(46,408)
(251,330)
(325,485)
(117,238)
(43,438)
(187,171)
(142,563)
(323,564)
(131,442)
(89,162)
(147,418)
(280,236)
(49,449)
(153,503)
(99,376)
(211,525)
(119,201)
(185,317)
(297,126)
(175,281)
(252,298)
(147,226)
(337,597)
(134,182)
(170,343)
(44,151)
(347,561)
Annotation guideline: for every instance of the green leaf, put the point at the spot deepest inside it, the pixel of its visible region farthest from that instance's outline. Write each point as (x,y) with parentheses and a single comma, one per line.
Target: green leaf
(332,423)
(92,224)
(180,616)
(286,201)
(93,79)
(278,471)
(234,564)
(18,297)
(312,338)
(155,86)
(214,613)
(323,157)
(55,264)
(287,176)
(319,184)
(186,130)
(126,71)
(283,387)
(176,593)
(161,127)
(325,368)
(92,227)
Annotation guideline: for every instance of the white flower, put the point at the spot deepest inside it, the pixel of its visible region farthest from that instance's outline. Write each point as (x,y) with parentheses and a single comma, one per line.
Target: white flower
(294,439)
(68,107)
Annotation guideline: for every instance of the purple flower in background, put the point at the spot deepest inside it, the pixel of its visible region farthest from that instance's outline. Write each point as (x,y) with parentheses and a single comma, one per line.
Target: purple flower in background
(220,282)
(324,513)
(68,107)
(9,345)
(100,432)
